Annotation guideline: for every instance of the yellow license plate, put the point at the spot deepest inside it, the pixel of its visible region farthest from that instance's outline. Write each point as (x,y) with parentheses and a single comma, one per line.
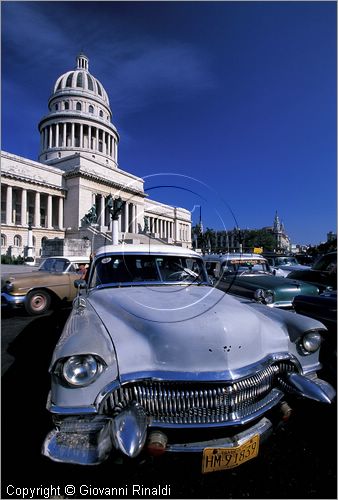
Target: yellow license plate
(215,459)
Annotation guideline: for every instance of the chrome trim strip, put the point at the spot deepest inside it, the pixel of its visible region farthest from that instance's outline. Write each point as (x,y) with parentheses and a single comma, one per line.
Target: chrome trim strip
(71,410)
(280,304)
(123,284)
(226,376)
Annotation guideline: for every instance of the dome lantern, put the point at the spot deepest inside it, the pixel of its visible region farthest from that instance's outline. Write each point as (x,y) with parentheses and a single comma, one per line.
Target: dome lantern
(82,62)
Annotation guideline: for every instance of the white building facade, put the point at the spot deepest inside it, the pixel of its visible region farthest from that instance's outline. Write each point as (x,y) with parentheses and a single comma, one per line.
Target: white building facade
(77,173)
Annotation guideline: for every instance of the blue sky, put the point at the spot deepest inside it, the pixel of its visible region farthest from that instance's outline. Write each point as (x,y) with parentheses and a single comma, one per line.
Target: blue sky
(227,106)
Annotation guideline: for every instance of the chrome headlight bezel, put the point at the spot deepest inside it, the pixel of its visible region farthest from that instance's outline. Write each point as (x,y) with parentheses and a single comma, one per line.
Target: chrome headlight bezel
(79,370)
(310,342)
(9,286)
(264,296)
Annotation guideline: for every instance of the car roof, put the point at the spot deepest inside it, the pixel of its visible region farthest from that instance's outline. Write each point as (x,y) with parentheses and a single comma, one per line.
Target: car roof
(152,249)
(228,256)
(71,258)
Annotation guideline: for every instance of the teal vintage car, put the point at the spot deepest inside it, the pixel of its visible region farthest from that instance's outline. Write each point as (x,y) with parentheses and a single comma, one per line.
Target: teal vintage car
(250,276)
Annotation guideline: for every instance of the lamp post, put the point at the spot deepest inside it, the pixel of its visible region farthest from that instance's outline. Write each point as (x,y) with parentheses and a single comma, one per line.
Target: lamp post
(30,260)
(115,208)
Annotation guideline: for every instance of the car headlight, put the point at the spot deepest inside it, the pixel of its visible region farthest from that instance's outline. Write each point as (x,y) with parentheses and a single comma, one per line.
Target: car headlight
(310,342)
(81,370)
(264,296)
(9,286)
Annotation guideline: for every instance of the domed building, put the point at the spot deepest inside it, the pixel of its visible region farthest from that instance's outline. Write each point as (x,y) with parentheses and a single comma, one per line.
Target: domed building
(79,119)
(65,198)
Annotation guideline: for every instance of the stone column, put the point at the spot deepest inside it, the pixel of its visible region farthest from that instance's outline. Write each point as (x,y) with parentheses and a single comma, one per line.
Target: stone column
(49,211)
(104,148)
(24,207)
(60,217)
(50,136)
(135,219)
(102,210)
(125,214)
(9,203)
(37,217)
(81,136)
(64,135)
(57,135)
(72,140)
(97,139)
(89,137)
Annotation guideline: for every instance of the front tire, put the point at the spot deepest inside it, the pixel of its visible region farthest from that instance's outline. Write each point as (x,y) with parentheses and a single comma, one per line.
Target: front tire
(37,302)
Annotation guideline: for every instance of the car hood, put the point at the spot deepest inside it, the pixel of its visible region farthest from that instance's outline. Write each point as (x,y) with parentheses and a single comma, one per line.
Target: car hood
(293,267)
(27,280)
(185,329)
(270,281)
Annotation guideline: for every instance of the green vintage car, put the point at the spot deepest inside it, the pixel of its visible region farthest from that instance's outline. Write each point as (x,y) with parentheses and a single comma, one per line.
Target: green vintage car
(40,290)
(250,276)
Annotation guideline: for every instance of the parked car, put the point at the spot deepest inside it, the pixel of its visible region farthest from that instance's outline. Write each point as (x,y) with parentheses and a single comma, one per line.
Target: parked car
(154,360)
(305,259)
(249,275)
(324,309)
(322,274)
(38,291)
(282,265)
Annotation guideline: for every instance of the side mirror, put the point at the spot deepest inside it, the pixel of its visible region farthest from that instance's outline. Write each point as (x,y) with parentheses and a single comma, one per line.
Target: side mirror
(80,284)
(211,280)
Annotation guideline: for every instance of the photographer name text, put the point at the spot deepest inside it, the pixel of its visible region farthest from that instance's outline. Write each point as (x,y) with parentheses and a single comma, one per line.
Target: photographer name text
(127,491)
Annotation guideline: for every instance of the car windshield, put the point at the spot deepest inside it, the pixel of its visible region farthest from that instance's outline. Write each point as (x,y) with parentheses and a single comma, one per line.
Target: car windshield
(54,265)
(286,261)
(245,266)
(149,269)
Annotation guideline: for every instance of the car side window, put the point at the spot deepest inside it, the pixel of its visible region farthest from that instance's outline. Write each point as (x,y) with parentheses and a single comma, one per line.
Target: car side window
(61,265)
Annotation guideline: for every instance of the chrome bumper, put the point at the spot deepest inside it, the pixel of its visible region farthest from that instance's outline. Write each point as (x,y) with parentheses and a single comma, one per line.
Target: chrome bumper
(12,300)
(263,428)
(90,441)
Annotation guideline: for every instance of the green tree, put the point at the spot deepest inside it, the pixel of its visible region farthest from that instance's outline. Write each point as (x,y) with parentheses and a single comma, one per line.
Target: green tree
(259,238)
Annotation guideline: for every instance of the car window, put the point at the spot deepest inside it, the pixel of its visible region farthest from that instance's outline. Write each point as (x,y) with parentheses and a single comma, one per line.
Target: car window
(234,266)
(285,261)
(54,265)
(146,268)
(326,263)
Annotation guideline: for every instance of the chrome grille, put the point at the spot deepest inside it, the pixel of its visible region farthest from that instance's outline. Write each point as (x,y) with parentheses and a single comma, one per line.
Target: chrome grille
(192,403)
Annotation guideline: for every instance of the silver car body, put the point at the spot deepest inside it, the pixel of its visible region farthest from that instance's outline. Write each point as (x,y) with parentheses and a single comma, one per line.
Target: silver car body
(172,355)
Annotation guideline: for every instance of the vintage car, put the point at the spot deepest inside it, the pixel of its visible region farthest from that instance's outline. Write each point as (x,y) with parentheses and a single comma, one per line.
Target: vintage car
(37,291)
(154,360)
(282,265)
(249,275)
(323,308)
(322,274)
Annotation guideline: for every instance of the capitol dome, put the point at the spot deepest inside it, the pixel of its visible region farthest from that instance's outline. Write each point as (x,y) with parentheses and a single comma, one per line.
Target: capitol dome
(79,119)
(80,79)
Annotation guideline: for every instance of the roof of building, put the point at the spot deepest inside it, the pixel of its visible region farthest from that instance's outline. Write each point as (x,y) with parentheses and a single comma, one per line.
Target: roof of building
(80,79)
